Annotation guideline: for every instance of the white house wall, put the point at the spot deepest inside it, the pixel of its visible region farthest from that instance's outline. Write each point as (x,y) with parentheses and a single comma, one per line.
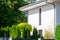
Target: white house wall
(33,17)
(48,18)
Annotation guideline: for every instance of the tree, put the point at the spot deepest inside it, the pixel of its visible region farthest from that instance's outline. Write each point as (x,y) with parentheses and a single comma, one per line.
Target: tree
(9,13)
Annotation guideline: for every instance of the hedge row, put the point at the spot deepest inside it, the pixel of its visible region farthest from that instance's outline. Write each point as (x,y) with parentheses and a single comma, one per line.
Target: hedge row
(21,30)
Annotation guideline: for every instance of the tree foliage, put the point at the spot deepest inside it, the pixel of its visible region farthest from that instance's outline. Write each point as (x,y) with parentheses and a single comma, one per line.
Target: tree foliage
(9,13)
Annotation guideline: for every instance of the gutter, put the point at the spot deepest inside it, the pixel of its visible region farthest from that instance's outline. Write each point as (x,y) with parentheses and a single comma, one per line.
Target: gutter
(32,5)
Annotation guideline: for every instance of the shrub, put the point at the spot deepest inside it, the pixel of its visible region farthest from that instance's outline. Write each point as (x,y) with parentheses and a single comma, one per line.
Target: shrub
(25,29)
(14,32)
(24,33)
(48,35)
(4,32)
(35,33)
(26,25)
(57,32)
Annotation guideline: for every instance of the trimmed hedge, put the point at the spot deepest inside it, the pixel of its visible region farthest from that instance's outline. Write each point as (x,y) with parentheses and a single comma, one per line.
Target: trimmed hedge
(21,30)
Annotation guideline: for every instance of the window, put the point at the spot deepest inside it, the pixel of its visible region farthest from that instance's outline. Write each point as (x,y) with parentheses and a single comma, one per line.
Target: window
(40,16)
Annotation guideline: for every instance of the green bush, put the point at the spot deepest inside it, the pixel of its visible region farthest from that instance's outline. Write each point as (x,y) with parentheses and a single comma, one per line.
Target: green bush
(26,25)
(25,29)
(57,32)
(4,32)
(14,32)
(21,30)
(35,33)
(24,33)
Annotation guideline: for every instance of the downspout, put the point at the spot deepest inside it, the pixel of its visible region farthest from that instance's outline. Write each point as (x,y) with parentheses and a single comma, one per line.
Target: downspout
(54,16)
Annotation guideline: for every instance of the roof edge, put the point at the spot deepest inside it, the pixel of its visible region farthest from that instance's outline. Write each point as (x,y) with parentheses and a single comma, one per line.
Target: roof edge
(31,6)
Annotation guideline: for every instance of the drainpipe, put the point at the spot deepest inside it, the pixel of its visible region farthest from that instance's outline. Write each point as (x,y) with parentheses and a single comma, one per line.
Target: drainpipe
(54,14)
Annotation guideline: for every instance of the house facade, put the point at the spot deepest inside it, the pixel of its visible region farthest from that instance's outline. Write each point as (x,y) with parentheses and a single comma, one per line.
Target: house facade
(43,15)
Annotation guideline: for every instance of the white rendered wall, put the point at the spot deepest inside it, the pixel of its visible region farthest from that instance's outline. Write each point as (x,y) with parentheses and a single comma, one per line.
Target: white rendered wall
(47,18)
(33,17)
